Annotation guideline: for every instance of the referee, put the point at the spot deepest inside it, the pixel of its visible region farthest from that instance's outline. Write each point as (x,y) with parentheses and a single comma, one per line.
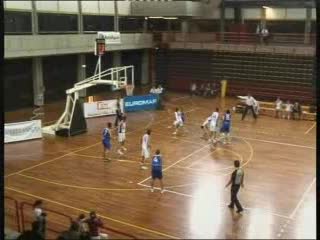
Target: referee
(249,105)
(236,181)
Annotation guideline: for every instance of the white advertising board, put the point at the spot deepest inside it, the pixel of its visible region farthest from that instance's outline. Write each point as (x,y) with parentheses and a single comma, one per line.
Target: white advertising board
(101,108)
(110,37)
(21,131)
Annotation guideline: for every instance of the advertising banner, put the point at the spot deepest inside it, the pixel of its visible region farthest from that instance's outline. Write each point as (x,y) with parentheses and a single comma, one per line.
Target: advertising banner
(110,37)
(21,131)
(139,103)
(101,108)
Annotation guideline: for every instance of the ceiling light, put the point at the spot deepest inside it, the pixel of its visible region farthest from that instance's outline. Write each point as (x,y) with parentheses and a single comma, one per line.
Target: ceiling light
(265,7)
(170,18)
(155,17)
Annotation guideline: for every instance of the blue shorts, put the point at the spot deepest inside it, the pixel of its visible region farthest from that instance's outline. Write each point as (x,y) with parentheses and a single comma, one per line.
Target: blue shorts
(106,144)
(225,128)
(156,174)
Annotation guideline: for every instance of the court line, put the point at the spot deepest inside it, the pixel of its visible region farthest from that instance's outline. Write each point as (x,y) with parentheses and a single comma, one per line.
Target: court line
(51,160)
(280,143)
(80,187)
(182,159)
(86,147)
(220,205)
(313,125)
(302,199)
(200,159)
(102,216)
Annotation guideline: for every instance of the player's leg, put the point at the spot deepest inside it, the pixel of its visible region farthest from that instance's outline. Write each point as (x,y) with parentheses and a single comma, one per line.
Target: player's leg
(152,183)
(161,185)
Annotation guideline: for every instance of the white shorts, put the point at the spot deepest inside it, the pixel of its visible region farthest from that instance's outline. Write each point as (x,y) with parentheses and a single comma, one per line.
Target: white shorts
(145,152)
(213,128)
(121,137)
(178,123)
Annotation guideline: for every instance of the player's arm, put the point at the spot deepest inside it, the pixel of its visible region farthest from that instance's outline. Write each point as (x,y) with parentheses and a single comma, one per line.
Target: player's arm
(230,181)
(242,180)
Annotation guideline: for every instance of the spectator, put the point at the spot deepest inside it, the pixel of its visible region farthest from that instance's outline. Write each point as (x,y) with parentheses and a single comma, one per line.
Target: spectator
(37,209)
(83,226)
(42,219)
(265,35)
(288,110)
(193,89)
(202,89)
(94,224)
(278,107)
(296,110)
(72,234)
(214,89)
(32,234)
(153,90)
(207,90)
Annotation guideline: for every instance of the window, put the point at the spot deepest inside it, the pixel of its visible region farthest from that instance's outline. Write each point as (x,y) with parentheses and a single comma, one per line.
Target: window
(59,74)
(18,84)
(17,22)
(50,22)
(97,23)
(131,24)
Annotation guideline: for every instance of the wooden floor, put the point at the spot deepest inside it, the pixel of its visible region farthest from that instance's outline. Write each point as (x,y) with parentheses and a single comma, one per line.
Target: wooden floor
(278,156)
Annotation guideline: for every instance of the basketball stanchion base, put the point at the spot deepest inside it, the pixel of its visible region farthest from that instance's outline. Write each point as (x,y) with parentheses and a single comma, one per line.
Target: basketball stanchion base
(129,90)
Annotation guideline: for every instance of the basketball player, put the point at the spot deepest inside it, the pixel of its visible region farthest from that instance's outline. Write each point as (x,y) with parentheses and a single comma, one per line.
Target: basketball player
(106,141)
(156,171)
(178,123)
(213,127)
(225,129)
(118,113)
(205,126)
(122,134)
(145,144)
(278,107)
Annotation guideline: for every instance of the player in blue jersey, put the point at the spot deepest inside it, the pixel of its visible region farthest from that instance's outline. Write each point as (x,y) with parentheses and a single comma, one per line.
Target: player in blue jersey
(156,171)
(225,129)
(106,141)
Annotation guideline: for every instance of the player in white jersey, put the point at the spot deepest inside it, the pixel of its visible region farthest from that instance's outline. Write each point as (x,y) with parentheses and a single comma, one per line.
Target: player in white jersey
(205,126)
(213,127)
(145,148)
(178,123)
(122,134)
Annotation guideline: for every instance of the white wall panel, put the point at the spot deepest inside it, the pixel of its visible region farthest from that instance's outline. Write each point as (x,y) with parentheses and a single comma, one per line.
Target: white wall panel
(90,7)
(296,13)
(50,6)
(229,13)
(107,7)
(251,13)
(275,13)
(124,7)
(314,14)
(23,5)
(68,6)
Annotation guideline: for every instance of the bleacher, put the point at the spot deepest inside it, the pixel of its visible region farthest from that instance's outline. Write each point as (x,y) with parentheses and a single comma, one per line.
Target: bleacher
(265,75)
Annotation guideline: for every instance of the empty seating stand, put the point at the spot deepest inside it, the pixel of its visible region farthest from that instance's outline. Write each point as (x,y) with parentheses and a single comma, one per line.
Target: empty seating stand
(265,75)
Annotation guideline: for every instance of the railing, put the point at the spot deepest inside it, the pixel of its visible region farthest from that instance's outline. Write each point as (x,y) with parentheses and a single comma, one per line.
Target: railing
(16,209)
(63,220)
(239,38)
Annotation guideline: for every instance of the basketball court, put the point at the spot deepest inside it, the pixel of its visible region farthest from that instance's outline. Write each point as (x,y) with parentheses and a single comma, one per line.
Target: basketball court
(70,176)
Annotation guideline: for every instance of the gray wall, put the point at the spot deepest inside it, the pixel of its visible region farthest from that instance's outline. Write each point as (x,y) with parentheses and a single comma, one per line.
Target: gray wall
(42,45)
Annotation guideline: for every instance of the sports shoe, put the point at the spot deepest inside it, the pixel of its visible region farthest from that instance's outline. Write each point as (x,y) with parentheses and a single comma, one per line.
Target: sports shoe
(162,191)
(230,206)
(119,151)
(239,210)
(144,167)
(174,133)
(125,149)
(152,190)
